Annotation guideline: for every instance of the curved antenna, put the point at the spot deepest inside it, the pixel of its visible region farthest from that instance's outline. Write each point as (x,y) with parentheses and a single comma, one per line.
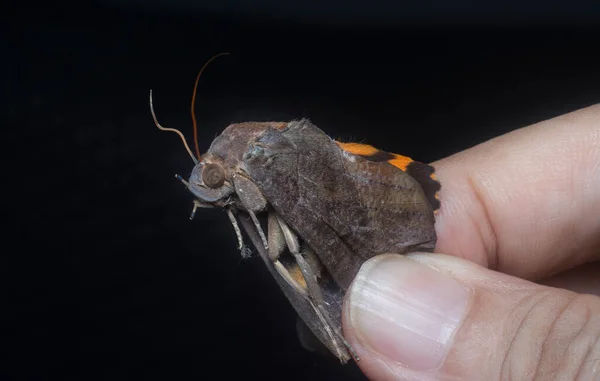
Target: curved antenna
(172,130)
(194,101)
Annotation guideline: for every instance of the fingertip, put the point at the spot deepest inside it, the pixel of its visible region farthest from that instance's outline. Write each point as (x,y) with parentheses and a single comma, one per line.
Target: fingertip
(525,203)
(402,314)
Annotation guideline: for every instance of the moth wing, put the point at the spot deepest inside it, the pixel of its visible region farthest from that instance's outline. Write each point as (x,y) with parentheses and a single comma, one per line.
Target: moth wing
(383,210)
(347,208)
(423,173)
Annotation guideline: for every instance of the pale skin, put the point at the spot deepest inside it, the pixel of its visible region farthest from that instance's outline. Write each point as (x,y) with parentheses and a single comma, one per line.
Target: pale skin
(520,213)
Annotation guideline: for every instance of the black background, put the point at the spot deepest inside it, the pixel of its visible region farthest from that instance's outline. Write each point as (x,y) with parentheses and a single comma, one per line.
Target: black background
(106,276)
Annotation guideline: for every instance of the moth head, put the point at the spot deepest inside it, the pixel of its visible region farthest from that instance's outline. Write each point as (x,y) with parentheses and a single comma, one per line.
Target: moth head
(210,181)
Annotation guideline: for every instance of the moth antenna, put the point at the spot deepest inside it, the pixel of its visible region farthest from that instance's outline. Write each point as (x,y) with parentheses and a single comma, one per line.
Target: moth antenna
(194,101)
(171,129)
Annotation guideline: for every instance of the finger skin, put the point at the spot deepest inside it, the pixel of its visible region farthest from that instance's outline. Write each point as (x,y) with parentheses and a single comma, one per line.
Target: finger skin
(526,203)
(512,329)
(584,279)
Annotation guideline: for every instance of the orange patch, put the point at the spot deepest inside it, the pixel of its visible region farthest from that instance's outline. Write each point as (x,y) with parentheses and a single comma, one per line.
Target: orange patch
(358,149)
(296,274)
(374,154)
(400,161)
(437,194)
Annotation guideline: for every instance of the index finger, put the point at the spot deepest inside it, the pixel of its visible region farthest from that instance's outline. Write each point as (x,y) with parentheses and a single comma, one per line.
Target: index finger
(526,203)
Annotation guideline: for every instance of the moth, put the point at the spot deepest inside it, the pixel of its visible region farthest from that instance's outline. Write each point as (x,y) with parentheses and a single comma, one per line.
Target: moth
(314,208)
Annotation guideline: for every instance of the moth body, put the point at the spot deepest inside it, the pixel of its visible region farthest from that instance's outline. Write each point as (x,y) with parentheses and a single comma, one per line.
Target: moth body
(316,209)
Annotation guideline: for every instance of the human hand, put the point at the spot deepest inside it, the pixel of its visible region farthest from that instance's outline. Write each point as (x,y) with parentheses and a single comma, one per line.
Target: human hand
(515,210)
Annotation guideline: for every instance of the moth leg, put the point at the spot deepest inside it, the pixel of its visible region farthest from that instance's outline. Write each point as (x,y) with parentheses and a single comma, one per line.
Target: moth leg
(313,260)
(314,289)
(193,214)
(332,335)
(254,237)
(198,204)
(238,233)
(276,246)
(314,295)
(294,248)
(319,311)
(276,239)
(261,233)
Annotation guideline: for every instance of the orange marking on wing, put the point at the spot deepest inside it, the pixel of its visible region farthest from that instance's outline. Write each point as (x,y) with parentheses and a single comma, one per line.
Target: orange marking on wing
(400,161)
(296,274)
(437,194)
(358,149)
(365,150)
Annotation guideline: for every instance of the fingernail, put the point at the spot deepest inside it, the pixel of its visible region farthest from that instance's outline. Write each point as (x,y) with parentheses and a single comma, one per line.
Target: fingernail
(406,311)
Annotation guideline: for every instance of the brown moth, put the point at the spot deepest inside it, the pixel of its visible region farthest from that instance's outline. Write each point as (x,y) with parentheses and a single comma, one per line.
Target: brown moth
(315,209)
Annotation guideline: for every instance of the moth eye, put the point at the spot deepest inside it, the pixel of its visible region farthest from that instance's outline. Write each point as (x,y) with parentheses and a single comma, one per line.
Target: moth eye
(213,175)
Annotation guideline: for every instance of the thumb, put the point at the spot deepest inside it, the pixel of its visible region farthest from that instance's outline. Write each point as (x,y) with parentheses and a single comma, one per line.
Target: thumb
(436,317)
